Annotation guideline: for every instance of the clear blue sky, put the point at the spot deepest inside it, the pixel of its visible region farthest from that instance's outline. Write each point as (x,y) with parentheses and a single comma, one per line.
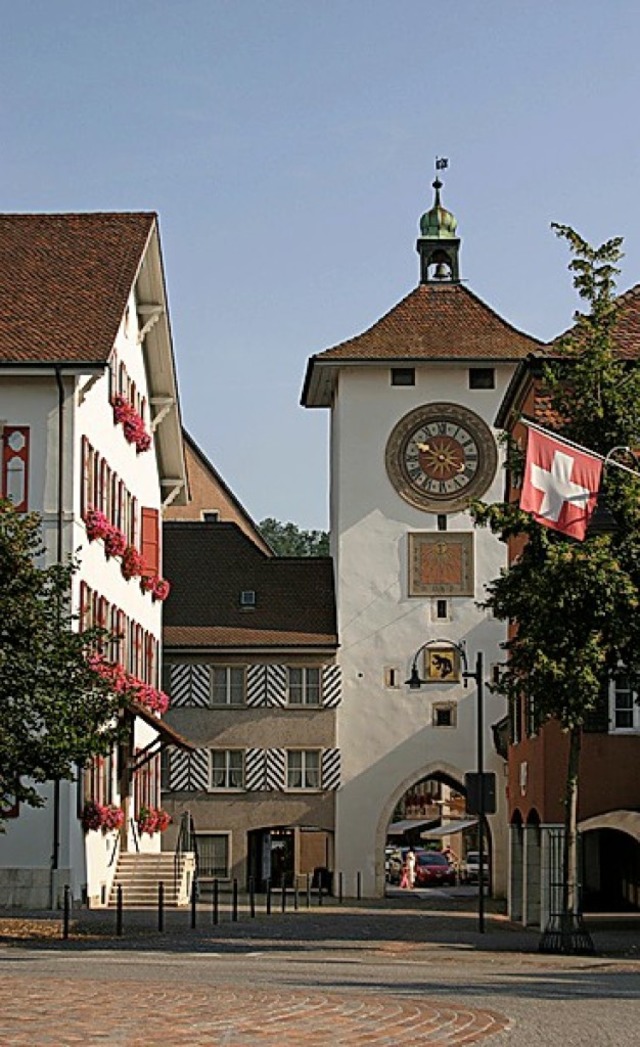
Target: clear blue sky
(288,146)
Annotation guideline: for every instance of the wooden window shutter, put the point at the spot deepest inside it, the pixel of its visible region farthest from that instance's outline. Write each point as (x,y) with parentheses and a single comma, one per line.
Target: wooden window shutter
(150,540)
(15,466)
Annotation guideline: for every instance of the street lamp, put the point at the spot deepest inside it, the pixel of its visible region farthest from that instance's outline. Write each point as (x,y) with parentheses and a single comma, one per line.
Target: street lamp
(415,682)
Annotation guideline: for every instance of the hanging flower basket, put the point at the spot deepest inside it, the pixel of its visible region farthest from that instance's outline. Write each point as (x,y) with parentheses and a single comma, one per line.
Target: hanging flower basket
(96,524)
(132,424)
(91,816)
(115,542)
(153,820)
(106,817)
(132,562)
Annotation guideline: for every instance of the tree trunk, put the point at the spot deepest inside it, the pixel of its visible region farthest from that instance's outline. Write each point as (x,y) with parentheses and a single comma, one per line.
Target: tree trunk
(570,848)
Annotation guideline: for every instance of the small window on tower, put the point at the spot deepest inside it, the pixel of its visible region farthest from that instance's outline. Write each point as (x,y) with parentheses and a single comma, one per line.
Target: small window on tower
(248,598)
(403,376)
(442,521)
(444,716)
(442,610)
(210,515)
(482,378)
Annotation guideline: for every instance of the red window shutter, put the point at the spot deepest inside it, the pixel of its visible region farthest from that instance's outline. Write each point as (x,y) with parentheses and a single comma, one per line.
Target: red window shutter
(15,465)
(150,543)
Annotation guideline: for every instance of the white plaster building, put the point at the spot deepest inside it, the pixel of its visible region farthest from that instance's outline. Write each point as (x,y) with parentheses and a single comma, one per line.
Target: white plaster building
(412,402)
(89,420)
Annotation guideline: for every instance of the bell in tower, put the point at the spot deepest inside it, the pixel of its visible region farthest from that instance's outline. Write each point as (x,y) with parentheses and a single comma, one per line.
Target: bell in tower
(438,245)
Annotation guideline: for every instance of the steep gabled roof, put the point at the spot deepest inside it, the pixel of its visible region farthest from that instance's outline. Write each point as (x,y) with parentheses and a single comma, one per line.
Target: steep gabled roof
(208,490)
(211,564)
(64,283)
(433,323)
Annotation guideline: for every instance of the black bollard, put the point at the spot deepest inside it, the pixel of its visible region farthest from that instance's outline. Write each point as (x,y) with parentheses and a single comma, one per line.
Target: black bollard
(359,886)
(65,922)
(295,893)
(234,911)
(119,911)
(160,906)
(252,897)
(283,900)
(268,898)
(194,898)
(340,888)
(308,890)
(216,902)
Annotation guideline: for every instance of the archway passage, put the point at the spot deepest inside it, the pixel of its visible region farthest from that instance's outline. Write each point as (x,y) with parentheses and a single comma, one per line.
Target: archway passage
(610,871)
(430,816)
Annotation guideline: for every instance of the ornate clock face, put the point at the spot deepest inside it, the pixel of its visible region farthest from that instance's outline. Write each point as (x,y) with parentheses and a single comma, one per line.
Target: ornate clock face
(440,456)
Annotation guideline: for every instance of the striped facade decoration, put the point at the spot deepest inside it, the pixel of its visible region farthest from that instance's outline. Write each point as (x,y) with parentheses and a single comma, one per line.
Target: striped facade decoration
(188,771)
(201,686)
(190,685)
(180,684)
(256,685)
(331,686)
(275,771)
(331,769)
(254,769)
(277,685)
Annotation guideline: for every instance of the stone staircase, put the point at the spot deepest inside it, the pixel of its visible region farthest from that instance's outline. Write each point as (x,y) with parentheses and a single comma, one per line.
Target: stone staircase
(140,874)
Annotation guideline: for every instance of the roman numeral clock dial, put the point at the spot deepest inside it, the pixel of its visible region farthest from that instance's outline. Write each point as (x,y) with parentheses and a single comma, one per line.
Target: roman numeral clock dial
(441,456)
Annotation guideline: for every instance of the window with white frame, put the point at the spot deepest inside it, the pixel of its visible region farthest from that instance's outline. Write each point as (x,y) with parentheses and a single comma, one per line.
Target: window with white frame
(228,684)
(214,854)
(303,769)
(227,769)
(304,685)
(625,711)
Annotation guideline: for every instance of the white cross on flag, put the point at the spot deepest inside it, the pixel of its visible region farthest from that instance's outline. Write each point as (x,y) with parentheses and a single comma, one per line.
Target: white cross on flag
(561,482)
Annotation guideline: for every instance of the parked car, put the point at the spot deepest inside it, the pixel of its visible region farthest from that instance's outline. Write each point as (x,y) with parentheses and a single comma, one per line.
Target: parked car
(434,869)
(470,868)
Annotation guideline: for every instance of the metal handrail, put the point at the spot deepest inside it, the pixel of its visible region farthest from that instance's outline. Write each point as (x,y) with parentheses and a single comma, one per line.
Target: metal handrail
(186,841)
(135,834)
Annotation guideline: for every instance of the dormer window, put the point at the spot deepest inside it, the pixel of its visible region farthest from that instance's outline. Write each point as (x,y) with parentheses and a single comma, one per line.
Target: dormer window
(248,598)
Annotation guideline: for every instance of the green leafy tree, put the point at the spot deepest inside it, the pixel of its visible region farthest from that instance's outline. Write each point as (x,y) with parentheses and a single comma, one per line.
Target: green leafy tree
(55,710)
(573,606)
(287,539)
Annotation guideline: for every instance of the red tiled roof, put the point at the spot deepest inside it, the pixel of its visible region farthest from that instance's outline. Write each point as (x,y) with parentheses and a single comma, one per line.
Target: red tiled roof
(434,322)
(437,323)
(64,283)
(626,331)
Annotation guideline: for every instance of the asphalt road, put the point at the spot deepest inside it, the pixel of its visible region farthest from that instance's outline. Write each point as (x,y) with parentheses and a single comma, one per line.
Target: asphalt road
(388,974)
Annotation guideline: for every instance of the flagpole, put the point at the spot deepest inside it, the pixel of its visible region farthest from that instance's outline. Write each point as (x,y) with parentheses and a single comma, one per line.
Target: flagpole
(605,459)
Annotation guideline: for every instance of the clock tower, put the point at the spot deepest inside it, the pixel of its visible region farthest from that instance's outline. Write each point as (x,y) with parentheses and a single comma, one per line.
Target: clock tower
(412,403)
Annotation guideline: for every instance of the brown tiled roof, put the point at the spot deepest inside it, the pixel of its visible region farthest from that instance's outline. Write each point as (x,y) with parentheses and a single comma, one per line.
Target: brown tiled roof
(64,282)
(210,564)
(433,322)
(437,323)
(626,331)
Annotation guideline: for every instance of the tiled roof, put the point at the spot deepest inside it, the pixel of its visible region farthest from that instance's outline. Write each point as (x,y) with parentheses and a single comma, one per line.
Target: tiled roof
(626,331)
(434,322)
(210,564)
(64,282)
(437,323)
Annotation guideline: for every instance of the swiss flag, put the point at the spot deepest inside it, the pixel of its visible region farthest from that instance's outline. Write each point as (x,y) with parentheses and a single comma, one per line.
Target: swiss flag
(561,482)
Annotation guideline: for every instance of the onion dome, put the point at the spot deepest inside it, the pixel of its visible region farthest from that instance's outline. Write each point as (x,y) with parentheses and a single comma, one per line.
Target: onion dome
(438,223)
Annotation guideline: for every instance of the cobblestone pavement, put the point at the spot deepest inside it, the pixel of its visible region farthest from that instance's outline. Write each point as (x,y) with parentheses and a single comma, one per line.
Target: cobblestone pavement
(51,1012)
(367,974)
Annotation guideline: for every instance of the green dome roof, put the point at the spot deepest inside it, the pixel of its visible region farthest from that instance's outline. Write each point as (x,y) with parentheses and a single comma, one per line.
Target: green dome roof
(438,223)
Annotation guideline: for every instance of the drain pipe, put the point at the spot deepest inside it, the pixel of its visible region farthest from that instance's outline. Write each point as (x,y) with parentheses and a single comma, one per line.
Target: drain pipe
(55,855)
